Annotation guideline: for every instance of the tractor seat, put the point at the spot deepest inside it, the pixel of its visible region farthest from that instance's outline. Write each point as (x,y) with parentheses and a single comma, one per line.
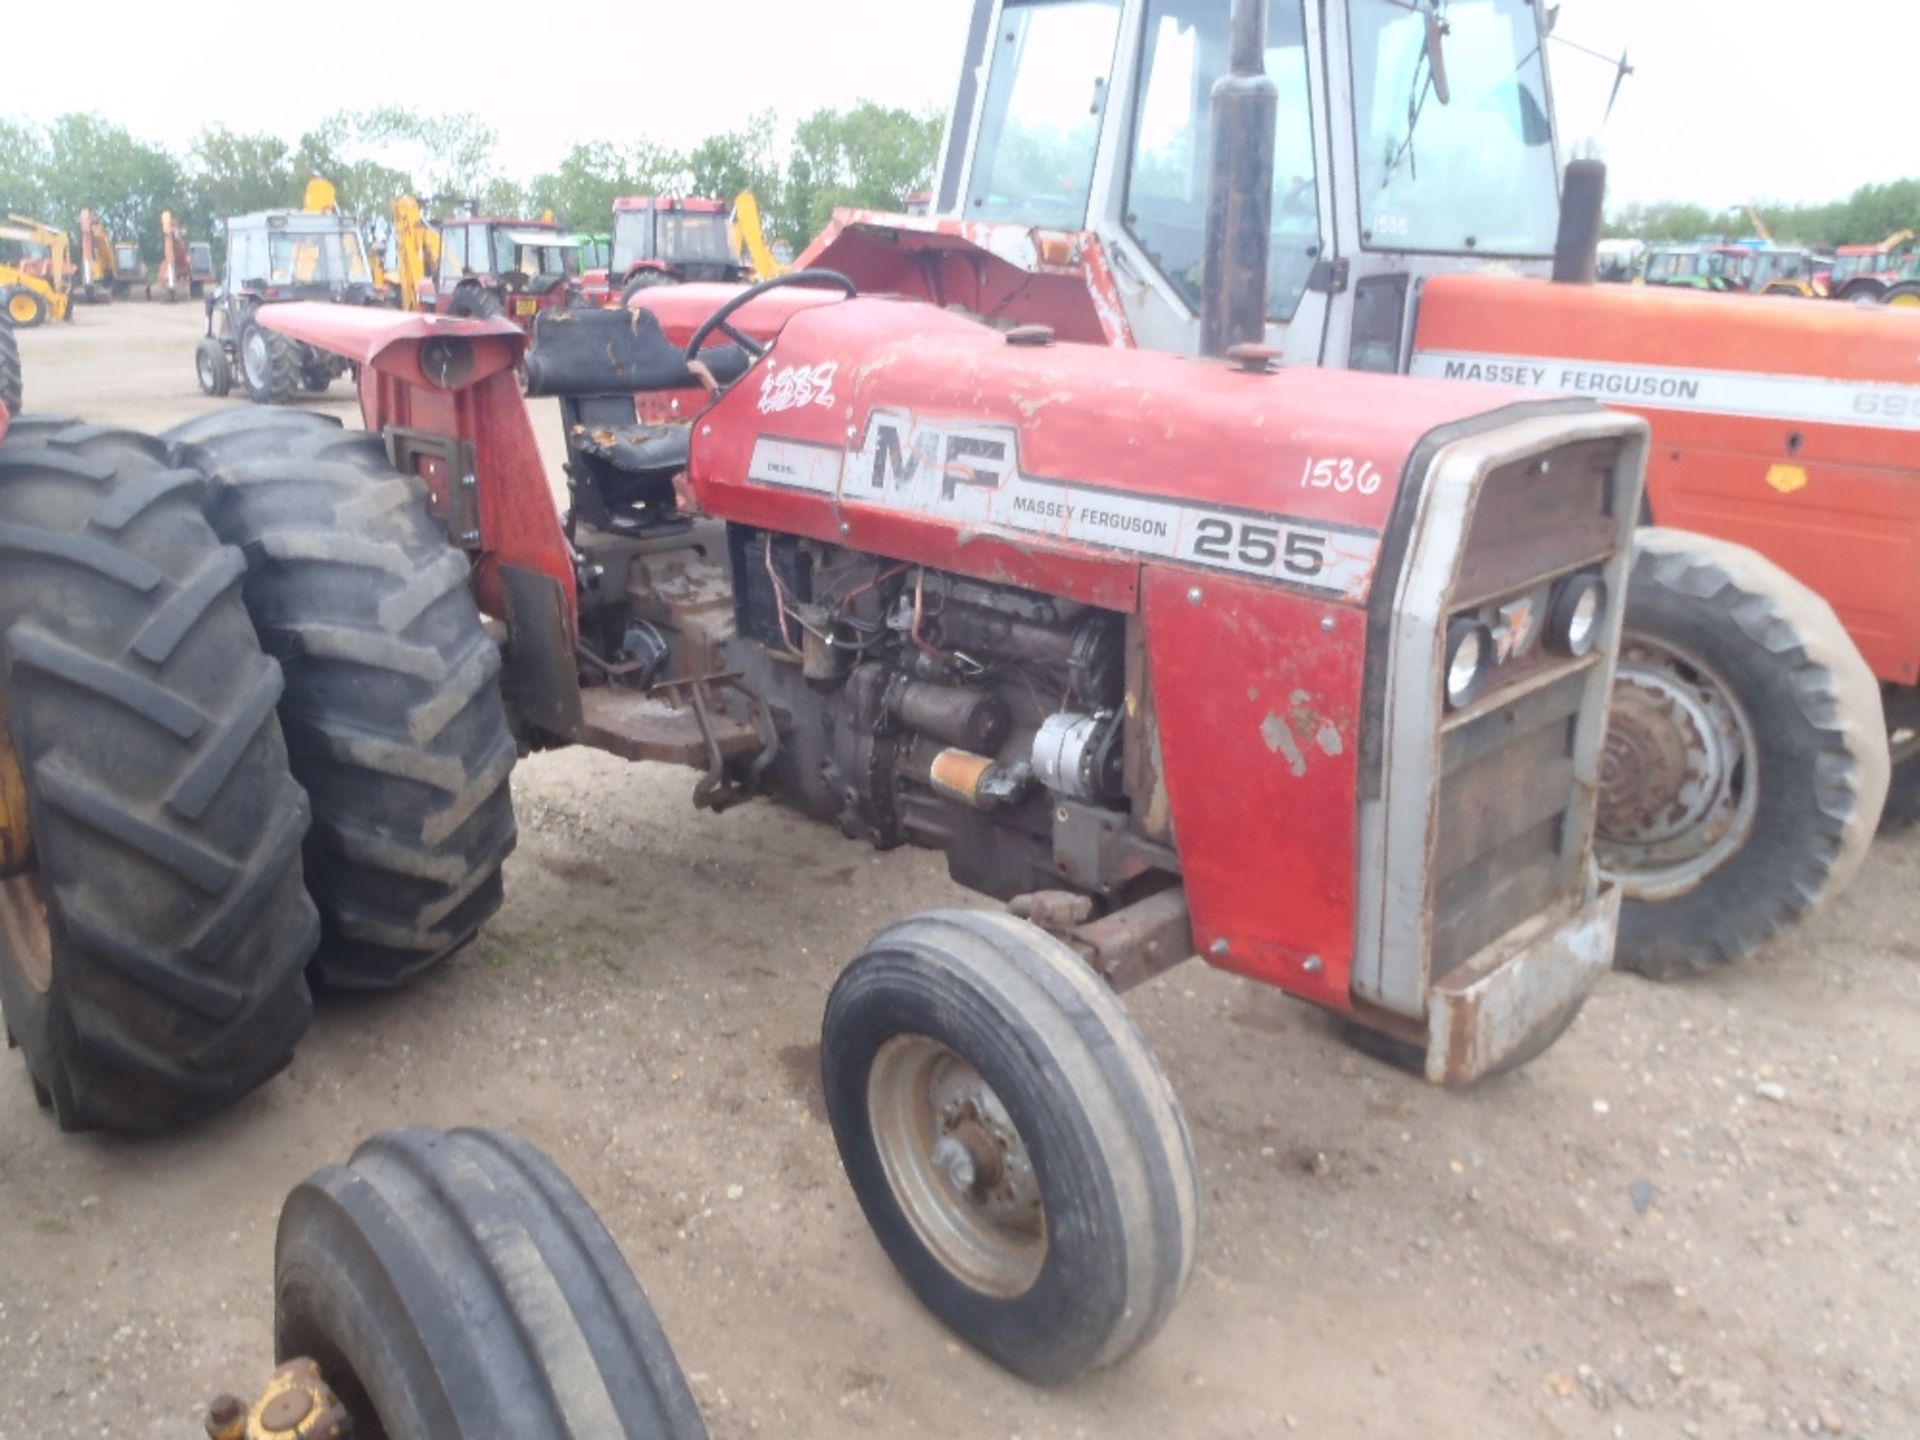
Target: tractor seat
(615,352)
(627,445)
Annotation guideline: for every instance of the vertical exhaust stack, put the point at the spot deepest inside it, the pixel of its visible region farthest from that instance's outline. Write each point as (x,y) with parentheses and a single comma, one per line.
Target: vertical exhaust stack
(1246,104)
(1583,199)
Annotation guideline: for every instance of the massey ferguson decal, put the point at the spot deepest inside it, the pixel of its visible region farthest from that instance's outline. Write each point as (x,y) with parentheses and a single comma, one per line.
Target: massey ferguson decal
(1868,404)
(969,473)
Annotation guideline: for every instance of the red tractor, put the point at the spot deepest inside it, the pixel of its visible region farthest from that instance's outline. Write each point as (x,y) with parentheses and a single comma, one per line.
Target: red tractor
(1415,225)
(516,268)
(1326,708)
(1868,272)
(664,242)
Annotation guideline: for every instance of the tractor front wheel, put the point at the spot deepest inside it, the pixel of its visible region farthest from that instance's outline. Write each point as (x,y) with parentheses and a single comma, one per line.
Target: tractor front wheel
(153,927)
(1746,759)
(25,309)
(267,365)
(1012,1140)
(393,708)
(1904,296)
(454,1286)
(212,368)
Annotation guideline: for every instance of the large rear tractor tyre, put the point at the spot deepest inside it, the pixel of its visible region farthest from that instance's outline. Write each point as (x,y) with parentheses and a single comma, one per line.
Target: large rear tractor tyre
(393,711)
(11,384)
(457,1286)
(268,365)
(153,925)
(1746,759)
(25,309)
(1012,1140)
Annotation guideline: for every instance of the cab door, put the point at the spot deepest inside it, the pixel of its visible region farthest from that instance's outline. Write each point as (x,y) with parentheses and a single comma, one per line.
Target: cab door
(1152,180)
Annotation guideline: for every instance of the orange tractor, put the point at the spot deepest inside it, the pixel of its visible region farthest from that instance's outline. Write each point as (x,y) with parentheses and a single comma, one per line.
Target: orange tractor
(1417,225)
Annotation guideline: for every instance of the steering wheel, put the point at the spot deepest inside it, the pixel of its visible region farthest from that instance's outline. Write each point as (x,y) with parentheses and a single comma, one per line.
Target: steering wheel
(722,319)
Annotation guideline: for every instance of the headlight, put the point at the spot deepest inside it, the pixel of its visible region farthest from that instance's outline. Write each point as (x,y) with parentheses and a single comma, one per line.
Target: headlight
(1579,612)
(1469,659)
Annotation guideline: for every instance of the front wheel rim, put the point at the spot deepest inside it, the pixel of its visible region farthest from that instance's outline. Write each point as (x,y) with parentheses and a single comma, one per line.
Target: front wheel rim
(21,310)
(957,1166)
(1679,776)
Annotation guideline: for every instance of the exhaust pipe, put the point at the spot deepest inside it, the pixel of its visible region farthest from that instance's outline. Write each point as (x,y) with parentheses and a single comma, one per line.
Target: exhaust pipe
(1246,104)
(1583,199)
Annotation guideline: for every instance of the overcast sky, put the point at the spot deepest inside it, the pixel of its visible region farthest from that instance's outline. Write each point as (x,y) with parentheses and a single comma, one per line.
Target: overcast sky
(1734,100)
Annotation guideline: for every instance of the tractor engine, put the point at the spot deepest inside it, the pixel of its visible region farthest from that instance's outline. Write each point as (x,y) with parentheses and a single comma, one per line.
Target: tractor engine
(937,709)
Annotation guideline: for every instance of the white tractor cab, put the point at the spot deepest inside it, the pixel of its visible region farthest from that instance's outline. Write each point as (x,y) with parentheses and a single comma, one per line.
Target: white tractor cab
(1091,118)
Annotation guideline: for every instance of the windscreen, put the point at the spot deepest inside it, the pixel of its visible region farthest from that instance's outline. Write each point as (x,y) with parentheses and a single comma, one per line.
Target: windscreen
(1185,54)
(693,236)
(1040,122)
(333,259)
(1475,174)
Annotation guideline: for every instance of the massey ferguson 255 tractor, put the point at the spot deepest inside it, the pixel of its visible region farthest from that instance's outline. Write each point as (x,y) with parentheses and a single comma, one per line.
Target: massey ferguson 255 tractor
(1300,671)
(1413,223)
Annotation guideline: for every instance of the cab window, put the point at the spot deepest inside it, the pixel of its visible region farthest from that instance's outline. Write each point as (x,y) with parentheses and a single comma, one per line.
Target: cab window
(1040,122)
(1185,53)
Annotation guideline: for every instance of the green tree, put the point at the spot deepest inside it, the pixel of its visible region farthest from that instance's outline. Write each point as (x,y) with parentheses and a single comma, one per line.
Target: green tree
(723,165)
(581,191)
(97,165)
(232,174)
(23,167)
(868,156)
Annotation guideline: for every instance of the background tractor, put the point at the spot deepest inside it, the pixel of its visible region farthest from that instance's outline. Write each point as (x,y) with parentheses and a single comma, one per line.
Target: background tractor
(665,242)
(274,257)
(1867,272)
(1748,763)
(489,266)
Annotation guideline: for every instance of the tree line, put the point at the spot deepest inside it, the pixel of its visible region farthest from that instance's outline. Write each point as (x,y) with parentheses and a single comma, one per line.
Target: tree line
(867,155)
(1868,216)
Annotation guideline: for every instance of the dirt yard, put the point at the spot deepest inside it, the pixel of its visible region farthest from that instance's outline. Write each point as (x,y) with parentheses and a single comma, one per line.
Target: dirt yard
(1699,1215)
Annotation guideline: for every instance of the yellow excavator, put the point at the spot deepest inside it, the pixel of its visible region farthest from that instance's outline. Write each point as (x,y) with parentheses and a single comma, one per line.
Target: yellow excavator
(416,250)
(36,276)
(749,241)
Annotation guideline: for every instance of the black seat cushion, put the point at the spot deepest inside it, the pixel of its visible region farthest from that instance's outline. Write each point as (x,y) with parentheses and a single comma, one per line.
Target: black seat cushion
(615,352)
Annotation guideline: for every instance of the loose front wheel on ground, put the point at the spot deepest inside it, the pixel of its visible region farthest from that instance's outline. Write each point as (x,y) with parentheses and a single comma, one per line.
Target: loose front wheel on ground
(1746,759)
(457,1286)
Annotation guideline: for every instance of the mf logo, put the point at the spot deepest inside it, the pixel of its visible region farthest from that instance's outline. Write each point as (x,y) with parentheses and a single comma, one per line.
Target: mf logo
(930,465)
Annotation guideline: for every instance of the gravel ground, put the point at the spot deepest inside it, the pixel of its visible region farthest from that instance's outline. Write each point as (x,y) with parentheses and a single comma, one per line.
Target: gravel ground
(1695,1217)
